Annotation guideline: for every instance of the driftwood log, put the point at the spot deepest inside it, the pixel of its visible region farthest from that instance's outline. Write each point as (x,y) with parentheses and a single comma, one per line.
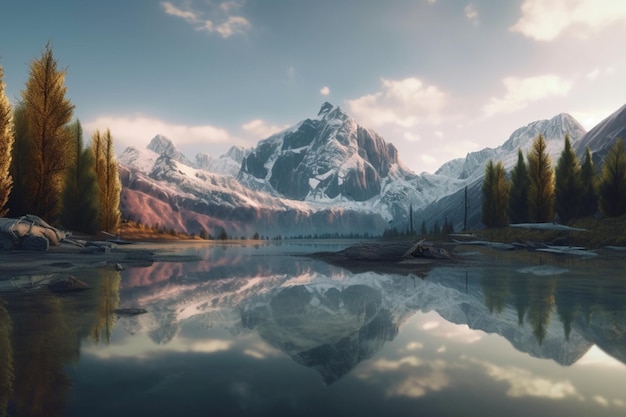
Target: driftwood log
(28,233)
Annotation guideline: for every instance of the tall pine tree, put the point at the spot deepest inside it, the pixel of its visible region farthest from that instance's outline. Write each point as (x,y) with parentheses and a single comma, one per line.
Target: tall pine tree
(518,195)
(48,112)
(612,189)
(79,200)
(6,147)
(495,196)
(588,178)
(541,189)
(568,184)
(109,186)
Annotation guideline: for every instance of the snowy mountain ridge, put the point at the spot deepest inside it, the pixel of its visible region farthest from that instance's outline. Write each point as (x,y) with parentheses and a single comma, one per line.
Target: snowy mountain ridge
(328,174)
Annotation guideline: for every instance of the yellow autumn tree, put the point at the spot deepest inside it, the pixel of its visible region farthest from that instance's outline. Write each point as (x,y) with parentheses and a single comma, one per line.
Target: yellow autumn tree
(6,147)
(109,186)
(541,177)
(47,112)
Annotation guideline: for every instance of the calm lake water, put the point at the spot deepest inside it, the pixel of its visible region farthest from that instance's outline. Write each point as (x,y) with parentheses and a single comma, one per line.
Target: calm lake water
(261,331)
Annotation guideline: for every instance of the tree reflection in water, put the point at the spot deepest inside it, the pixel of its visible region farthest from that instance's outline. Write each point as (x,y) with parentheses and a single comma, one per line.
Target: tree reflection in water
(40,334)
(595,305)
(496,290)
(109,299)
(6,359)
(541,295)
(44,342)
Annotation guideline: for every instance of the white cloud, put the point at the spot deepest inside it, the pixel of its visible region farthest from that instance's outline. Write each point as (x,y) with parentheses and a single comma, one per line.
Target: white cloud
(138,131)
(471,13)
(522,383)
(414,346)
(261,129)
(218,19)
(325,91)
(187,15)
(522,91)
(545,20)
(405,103)
(597,71)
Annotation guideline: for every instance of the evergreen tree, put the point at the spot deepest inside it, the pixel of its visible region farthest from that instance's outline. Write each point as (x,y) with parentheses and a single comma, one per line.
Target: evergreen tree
(79,200)
(568,184)
(541,189)
(488,211)
(612,189)
(423,229)
(518,195)
(20,162)
(495,196)
(109,186)
(6,147)
(589,195)
(47,114)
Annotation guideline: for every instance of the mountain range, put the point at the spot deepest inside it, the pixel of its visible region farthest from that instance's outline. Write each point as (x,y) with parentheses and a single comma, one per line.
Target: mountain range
(325,174)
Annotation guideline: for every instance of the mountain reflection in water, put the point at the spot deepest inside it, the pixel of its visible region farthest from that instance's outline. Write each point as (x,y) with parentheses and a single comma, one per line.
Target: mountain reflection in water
(320,316)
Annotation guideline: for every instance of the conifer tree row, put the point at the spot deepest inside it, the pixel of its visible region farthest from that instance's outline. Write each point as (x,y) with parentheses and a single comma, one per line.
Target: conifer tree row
(571,190)
(45,168)
(6,147)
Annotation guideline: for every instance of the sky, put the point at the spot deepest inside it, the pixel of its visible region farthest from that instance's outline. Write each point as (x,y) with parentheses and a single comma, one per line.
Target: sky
(437,78)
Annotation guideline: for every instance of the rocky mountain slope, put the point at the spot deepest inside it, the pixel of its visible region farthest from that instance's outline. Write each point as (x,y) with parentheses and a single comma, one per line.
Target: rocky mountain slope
(602,137)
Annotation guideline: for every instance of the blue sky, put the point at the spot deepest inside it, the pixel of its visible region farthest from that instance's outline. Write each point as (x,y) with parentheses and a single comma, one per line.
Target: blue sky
(437,78)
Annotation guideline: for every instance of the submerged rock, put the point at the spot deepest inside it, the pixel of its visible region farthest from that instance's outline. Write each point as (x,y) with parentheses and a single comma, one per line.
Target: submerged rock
(67,283)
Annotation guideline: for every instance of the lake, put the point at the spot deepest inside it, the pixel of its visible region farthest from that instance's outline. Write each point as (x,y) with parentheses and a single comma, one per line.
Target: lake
(262,331)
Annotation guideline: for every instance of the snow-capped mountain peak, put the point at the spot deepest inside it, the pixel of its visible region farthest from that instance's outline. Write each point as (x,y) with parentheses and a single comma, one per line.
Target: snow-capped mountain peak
(324,158)
(163,145)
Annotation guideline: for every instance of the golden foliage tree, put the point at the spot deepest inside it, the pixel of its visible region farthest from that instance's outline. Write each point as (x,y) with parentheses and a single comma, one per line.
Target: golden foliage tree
(541,176)
(109,186)
(6,147)
(48,112)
